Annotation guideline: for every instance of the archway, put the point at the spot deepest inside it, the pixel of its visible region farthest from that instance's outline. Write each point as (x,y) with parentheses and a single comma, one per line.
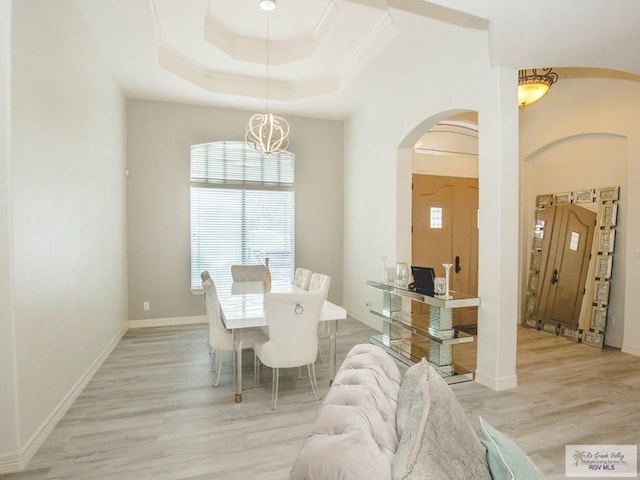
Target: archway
(443,173)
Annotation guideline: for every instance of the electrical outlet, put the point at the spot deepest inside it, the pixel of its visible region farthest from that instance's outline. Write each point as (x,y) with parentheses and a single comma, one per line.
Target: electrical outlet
(146,306)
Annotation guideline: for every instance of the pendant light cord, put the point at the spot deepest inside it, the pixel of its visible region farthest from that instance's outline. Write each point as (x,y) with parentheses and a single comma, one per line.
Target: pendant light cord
(267,56)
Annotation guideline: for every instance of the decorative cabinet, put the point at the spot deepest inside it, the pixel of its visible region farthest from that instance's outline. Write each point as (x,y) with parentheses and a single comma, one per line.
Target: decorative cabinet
(410,336)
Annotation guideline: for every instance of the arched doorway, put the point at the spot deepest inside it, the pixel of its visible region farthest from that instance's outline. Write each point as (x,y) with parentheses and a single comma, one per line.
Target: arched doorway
(445,204)
(444,214)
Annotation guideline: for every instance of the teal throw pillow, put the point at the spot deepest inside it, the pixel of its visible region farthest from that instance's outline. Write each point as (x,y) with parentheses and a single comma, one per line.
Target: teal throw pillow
(506,459)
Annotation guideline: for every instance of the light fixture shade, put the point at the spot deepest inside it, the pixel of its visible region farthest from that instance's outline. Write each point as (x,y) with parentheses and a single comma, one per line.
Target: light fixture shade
(267,133)
(531,92)
(534,84)
(267,5)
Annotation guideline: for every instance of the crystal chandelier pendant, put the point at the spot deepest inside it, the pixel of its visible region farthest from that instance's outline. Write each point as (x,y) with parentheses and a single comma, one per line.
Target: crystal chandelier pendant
(267,133)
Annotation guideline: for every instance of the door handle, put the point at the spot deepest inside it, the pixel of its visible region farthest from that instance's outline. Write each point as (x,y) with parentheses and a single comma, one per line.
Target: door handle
(457,267)
(554,277)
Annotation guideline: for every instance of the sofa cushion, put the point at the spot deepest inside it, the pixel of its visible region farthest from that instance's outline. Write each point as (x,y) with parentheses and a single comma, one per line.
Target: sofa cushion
(365,395)
(336,419)
(354,436)
(437,440)
(374,377)
(507,461)
(352,455)
(367,355)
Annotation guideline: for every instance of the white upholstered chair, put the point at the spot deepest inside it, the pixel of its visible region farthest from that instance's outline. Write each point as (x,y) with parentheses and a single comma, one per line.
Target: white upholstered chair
(221,339)
(248,273)
(292,319)
(320,283)
(302,278)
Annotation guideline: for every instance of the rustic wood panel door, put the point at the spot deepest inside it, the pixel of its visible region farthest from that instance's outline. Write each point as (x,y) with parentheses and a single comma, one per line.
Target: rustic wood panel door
(445,230)
(565,262)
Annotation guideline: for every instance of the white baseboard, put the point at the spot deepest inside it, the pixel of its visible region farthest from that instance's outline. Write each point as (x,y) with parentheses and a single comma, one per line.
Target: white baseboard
(631,349)
(10,463)
(497,384)
(167,322)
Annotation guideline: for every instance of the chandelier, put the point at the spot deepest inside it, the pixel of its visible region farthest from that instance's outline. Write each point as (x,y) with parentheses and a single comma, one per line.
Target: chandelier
(534,84)
(267,133)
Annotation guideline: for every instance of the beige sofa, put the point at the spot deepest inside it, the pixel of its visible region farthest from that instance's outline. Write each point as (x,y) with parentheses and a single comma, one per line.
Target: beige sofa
(377,424)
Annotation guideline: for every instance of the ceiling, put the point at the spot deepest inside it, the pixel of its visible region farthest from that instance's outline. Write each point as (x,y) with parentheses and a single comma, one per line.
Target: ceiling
(322,53)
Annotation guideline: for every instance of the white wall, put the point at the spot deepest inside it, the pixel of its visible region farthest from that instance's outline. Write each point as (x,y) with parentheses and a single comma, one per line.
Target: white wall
(8,401)
(465,166)
(585,134)
(67,211)
(159,139)
(408,97)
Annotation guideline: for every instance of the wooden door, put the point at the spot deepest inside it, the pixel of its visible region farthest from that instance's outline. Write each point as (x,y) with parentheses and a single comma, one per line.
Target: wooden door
(565,264)
(445,230)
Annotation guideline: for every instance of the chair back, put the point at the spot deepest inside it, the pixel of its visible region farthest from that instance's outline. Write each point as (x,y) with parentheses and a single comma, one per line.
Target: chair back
(218,334)
(320,283)
(292,319)
(248,273)
(302,278)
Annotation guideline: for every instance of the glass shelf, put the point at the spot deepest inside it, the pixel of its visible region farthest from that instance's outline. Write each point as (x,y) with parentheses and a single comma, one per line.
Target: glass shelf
(459,299)
(411,352)
(419,325)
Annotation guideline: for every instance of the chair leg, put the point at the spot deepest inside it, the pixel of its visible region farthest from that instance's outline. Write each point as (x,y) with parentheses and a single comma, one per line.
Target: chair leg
(213,360)
(274,389)
(311,368)
(323,332)
(217,357)
(256,369)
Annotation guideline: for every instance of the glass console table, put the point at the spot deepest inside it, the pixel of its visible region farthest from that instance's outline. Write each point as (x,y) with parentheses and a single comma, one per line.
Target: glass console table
(409,336)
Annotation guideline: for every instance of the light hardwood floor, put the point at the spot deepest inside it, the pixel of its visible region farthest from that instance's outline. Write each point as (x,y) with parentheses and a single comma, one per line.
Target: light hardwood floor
(151,413)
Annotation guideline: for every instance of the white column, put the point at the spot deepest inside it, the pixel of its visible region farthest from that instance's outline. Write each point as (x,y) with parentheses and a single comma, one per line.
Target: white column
(498,236)
(631,339)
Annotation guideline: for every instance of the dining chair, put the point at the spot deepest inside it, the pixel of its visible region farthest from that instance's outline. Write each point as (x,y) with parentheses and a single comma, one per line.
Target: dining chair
(292,319)
(248,273)
(302,278)
(220,338)
(320,283)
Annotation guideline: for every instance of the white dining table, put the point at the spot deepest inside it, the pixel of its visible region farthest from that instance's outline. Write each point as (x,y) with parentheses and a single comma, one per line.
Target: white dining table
(242,306)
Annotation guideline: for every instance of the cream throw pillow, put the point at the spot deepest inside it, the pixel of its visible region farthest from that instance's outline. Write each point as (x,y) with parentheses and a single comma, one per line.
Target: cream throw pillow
(436,440)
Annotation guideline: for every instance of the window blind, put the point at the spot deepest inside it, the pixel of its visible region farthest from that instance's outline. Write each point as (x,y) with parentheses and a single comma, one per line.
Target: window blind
(242,210)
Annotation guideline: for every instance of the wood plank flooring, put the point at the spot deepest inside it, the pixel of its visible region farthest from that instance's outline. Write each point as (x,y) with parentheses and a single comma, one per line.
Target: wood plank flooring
(150,412)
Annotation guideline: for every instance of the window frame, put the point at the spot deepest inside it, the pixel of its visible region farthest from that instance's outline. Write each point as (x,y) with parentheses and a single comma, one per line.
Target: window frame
(232,166)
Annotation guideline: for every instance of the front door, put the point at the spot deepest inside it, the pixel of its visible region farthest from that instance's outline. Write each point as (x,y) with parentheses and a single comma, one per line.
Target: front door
(445,230)
(565,261)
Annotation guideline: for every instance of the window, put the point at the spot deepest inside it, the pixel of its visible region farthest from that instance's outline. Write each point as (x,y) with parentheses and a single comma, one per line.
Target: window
(242,210)
(435,220)
(574,243)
